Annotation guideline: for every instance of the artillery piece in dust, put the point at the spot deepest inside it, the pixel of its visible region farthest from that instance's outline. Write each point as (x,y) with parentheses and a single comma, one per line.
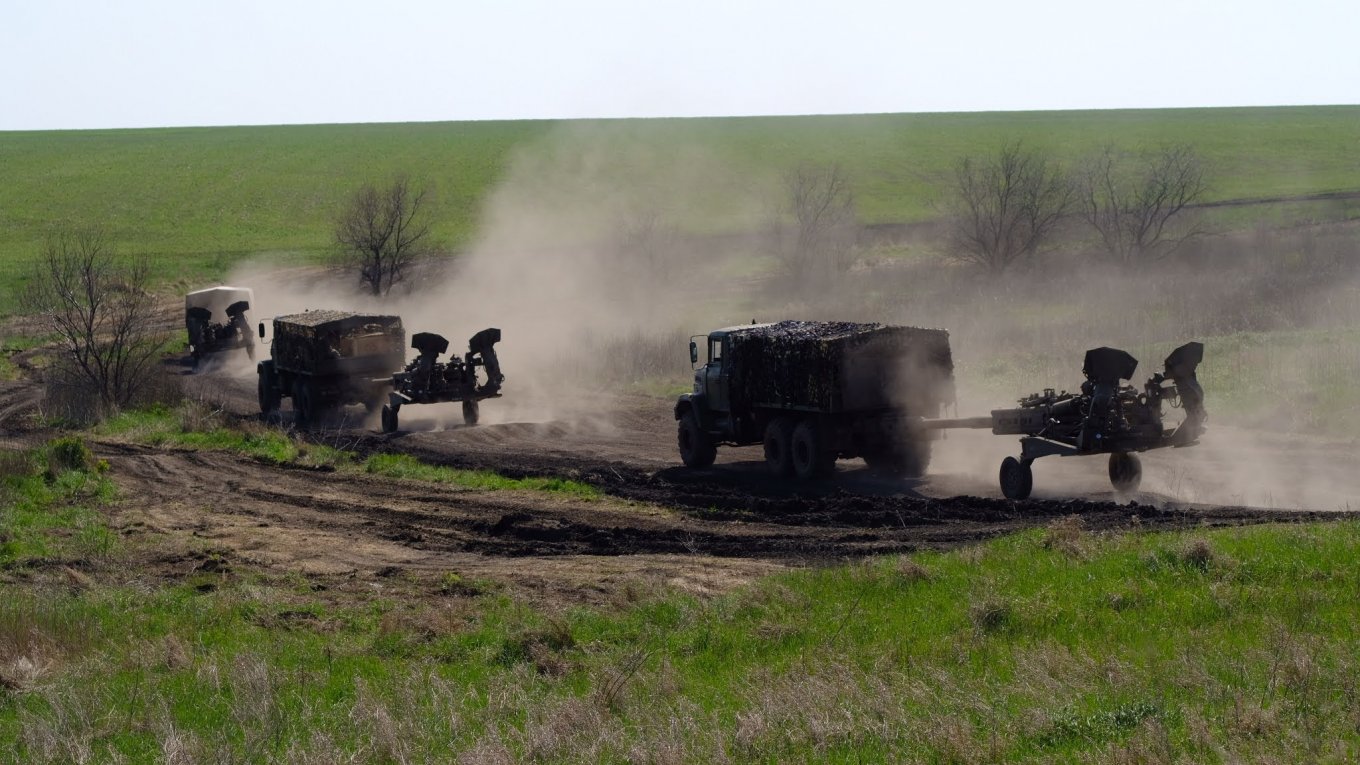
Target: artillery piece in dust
(1105,417)
(215,319)
(428,381)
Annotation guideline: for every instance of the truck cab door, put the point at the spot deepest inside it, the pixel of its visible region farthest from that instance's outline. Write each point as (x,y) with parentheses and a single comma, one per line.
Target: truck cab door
(716,377)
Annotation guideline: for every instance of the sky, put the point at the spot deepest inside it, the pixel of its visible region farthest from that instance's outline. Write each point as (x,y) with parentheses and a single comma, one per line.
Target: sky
(81,64)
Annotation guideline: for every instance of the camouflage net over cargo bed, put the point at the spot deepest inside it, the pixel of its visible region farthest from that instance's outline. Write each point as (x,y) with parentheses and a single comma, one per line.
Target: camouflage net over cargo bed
(841,367)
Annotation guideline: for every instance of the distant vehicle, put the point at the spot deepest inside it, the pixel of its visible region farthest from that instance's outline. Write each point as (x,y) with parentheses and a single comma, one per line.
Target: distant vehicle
(815,392)
(216,321)
(325,359)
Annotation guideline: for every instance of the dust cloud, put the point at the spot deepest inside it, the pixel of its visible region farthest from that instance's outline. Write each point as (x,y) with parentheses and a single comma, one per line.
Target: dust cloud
(602,249)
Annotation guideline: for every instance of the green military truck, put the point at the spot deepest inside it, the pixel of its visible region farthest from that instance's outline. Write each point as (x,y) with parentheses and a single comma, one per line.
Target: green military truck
(325,359)
(815,392)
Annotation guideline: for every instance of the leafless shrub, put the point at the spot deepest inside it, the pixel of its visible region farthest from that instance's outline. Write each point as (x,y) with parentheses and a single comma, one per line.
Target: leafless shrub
(648,243)
(99,308)
(1004,208)
(609,691)
(382,232)
(813,228)
(1136,201)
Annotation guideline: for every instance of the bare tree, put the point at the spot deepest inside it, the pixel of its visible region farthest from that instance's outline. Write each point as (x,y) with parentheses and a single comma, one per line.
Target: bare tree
(382,232)
(814,229)
(98,306)
(1004,208)
(647,240)
(1137,201)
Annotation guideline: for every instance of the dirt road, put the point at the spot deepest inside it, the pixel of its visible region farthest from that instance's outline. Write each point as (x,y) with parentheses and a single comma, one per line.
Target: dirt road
(697,530)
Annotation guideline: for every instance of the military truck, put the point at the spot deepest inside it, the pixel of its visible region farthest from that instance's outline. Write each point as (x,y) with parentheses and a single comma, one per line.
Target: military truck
(325,359)
(215,319)
(815,392)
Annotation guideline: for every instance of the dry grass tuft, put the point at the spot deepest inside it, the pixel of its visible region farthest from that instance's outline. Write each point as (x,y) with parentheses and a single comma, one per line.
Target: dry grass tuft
(1068,535)
(1198,554)
(197,415)
(991,614)
(16,464)
(909,570)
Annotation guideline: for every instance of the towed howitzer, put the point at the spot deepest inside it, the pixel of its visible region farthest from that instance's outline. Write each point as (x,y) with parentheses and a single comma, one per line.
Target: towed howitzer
(1104,417)
(207,336)
(429,381)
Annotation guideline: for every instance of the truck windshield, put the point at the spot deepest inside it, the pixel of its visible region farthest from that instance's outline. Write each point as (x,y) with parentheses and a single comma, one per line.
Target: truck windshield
(714,350)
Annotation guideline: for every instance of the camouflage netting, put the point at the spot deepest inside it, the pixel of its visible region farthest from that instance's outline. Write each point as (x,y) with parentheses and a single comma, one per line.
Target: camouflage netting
(318,341)
(841,367)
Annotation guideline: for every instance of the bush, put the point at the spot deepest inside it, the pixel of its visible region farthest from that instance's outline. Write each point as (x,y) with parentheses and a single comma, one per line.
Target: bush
(69,453)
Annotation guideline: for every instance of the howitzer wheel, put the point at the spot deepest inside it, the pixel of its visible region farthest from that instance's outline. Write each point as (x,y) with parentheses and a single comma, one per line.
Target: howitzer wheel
(1126,472)
(810,458)
(1017,479)
(779,446)
(696,448)
(471,411)
(389,419)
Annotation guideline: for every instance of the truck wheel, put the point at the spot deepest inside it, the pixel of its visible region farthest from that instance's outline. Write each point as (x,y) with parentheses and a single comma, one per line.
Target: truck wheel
(303,410)
(696,448)
(269,397)
(1126,472)
(389,419)
(1017,480)
(471,410)
(810,458)
(779,446)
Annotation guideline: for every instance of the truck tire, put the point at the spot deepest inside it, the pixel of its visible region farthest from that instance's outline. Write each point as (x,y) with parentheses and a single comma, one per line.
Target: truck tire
(779,446)
(811,459)
(471,410)
(696,448)
(267,393)
(304,409)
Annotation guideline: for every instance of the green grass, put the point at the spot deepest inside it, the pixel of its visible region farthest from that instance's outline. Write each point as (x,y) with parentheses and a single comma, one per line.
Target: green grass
(48,501)
(197,200)
(192,426)
(408,467)
(1053,645)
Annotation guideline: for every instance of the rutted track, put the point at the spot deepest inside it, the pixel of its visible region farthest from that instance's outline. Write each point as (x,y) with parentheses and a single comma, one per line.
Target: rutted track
(703,529)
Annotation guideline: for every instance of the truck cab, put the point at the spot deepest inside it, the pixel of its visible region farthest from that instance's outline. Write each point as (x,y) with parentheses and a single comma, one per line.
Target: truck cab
(711,379)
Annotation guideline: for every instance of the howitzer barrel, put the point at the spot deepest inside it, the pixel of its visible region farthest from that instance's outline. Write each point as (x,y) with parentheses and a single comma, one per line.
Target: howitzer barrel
(974,423)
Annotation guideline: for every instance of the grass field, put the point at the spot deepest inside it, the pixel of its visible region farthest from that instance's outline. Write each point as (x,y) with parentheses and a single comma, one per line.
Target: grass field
(1057,645)
(196,199)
